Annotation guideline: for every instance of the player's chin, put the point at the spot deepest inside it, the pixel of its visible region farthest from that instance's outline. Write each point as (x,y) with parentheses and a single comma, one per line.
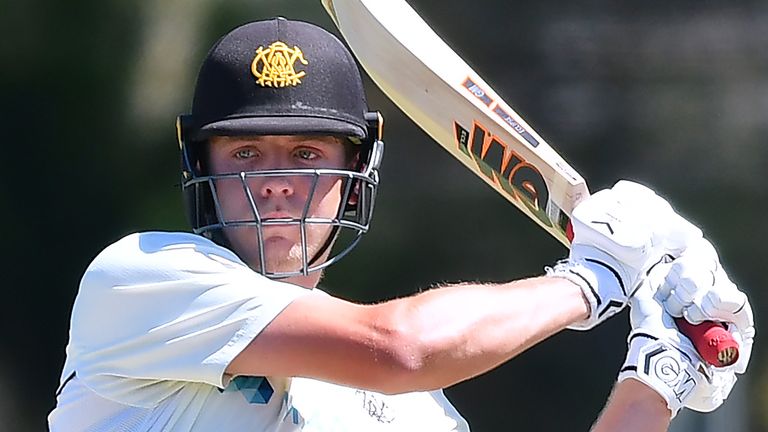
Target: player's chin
(282,256)
(282,246)
(286,256)
(280,243)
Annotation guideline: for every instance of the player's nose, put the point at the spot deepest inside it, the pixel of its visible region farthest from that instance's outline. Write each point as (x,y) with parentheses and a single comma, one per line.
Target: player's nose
(274,186)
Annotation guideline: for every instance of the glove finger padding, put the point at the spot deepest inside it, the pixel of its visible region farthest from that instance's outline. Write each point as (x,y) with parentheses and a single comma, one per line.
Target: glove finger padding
(690,275)
(726,304)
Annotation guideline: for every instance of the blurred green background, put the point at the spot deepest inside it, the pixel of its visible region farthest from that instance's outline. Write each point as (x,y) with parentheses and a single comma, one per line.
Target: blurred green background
(672,94)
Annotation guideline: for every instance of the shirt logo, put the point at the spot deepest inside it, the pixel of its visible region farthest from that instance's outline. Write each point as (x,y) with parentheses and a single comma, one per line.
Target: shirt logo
(274,66)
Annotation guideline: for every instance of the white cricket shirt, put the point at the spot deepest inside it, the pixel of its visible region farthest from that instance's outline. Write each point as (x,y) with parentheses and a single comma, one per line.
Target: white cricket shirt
(158,318)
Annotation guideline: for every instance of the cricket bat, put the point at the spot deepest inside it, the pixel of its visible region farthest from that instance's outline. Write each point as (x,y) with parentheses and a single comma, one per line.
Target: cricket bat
(433,86)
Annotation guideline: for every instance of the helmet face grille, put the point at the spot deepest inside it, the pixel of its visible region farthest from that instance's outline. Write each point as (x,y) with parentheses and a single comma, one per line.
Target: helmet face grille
(247,231)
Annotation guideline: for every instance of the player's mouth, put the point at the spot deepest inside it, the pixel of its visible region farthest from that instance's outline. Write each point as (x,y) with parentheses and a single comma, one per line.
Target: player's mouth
(278,215)
(280,225)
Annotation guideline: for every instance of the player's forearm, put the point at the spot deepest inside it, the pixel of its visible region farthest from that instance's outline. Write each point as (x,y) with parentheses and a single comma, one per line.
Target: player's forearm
(466,330)
(634,407)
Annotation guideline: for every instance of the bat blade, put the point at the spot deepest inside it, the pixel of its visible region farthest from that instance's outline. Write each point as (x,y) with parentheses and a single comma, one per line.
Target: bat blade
(436,88)
(458,109)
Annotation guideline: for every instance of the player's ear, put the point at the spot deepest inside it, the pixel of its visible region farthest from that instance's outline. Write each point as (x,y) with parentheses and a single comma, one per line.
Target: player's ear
(351,154)
(355,195)
(353,162)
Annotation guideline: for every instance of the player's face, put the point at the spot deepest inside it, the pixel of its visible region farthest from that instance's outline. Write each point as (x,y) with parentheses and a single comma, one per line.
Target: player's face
(278,197)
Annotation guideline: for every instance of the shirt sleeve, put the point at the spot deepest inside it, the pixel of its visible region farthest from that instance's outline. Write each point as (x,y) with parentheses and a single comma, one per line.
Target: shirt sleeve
(156,310)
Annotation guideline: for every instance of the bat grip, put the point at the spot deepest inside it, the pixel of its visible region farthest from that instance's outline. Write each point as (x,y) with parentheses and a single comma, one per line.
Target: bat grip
(713,342)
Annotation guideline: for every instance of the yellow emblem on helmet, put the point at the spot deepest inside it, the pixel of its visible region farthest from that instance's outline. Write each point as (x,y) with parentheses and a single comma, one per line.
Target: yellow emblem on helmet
(273,67)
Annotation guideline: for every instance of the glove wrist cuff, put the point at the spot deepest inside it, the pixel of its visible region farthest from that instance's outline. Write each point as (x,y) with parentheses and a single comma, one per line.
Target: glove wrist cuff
(662,367)
(581,277)
(591,278)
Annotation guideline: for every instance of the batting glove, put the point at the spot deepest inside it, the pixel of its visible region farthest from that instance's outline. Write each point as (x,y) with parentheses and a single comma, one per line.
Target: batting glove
(666,361)
(698,289)
(619,234)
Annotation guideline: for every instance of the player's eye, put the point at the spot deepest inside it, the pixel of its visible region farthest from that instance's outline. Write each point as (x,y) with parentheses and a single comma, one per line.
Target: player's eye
(245,153)
(306,154)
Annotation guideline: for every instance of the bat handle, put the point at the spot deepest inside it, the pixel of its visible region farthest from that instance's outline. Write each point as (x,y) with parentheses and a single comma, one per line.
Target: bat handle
(713,342)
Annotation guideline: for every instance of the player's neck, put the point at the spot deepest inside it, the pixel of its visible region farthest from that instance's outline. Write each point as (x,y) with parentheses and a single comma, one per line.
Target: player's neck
(309,281)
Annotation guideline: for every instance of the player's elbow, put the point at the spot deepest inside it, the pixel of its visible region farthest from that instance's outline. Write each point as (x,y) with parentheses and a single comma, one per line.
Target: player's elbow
(408,354)
(407,366)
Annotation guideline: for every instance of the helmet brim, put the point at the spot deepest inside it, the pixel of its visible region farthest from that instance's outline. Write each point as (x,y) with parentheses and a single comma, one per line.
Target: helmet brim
(280,125)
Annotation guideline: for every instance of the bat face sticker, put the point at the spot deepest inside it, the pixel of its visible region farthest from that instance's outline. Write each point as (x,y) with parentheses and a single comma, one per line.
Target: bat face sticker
(505,168)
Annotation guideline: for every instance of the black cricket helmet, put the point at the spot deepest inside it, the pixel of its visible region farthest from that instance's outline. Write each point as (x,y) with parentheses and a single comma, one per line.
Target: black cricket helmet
(281,77)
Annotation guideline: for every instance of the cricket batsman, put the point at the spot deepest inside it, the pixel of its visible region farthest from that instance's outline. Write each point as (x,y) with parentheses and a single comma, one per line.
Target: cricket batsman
(223,329)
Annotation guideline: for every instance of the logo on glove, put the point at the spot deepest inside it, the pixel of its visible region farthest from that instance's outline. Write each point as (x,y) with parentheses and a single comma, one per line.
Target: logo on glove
(663,364)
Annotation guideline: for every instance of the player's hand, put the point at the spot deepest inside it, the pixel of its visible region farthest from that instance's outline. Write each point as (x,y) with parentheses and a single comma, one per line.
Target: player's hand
(619,234)
(698,289)
(666,361)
